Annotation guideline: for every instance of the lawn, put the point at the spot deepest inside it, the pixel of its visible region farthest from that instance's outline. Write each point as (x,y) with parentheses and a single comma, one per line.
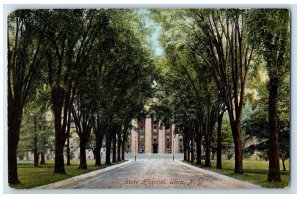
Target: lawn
(31,176)
(255,172)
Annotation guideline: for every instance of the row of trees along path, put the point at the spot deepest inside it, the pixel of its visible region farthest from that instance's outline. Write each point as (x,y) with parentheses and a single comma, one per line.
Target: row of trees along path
(209,55)
(94,69)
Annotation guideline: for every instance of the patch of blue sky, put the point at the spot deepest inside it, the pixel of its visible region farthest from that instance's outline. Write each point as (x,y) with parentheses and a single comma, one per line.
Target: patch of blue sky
(155,29)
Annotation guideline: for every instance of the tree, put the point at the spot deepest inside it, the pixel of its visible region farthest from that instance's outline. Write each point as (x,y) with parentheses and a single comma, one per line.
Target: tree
(256,130)
(67,61)
(222,38)
(83,110)
(175,102)
(130,88)
(98,128)
(26,48)
(68,138)
(221,111)
(218,40)
(270,32)
(36,128)
(201,84)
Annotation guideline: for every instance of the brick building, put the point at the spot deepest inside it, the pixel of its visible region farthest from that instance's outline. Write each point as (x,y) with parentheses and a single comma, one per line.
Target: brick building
(149,137)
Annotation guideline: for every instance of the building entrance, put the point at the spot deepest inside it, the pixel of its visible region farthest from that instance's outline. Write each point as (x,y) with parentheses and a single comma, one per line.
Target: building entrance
(155,148)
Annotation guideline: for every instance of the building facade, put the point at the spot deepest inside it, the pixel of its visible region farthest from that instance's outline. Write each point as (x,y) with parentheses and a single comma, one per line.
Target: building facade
(148,136)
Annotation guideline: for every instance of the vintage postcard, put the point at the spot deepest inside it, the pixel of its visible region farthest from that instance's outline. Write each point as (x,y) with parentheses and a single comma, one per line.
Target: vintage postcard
(149,98)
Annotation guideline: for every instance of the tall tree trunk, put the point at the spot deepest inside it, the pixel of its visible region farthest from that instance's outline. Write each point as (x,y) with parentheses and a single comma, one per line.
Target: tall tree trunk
(184,152)
(235,125)
(207,150)
(59,157)
(20,75)
(108,148)
(15,108)
(97,151)
(198,142)
(68,138)
(12,159)
(35,149)
(42,158)
(192,148)
(68,151)
(114,140)
(274,168)
(123,150)
(97,156)
(238,148)
(219,141)
(119,145)
(14,123)
(185,148)
(82,164)
(124,139)
(189,153)
(57,102)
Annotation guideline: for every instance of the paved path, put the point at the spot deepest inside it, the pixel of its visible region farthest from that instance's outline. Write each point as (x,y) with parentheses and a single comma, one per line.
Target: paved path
(154,173)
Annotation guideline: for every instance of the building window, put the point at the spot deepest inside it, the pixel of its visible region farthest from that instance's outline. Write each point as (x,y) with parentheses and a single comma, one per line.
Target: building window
(154,139)
(168,146)
(168,138)
(167,128)
(155,129)
(142,149)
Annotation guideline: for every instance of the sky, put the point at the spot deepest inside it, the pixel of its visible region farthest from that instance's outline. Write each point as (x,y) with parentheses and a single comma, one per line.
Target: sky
(153,38)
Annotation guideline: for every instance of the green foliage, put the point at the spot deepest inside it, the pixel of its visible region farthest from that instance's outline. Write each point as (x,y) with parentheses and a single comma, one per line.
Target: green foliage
(98,63)
(256,128)
(44,133)
(255,124)
(270,32)
(37,108)
(95,62)
(227,141)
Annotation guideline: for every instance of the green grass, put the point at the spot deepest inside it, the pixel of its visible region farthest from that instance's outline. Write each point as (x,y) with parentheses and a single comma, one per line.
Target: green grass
(255,172)
(31,176)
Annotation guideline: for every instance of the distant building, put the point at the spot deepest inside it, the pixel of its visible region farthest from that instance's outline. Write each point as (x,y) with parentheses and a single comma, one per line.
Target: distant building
(148,136)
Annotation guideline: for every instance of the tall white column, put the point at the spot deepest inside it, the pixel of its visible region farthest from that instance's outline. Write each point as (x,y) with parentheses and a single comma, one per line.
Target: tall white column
(134,137)
(148,142)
